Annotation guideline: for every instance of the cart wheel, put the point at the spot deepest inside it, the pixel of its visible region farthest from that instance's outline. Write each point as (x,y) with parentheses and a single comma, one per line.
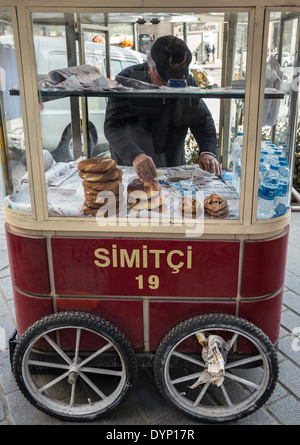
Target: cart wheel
(74,365)
(249,379)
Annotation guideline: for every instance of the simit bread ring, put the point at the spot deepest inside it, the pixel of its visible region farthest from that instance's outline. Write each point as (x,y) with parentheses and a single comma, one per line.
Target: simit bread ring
(101,212)
(112,186)
(100,201)
(220,214)
(88,191)
(99,165)
(190,207)
(92,210)
(216,206)
(111,175)
(149,204)
(139,189)
(89,211)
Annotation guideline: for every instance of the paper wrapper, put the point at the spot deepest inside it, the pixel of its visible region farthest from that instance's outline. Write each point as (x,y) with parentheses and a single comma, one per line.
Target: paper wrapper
(214,354)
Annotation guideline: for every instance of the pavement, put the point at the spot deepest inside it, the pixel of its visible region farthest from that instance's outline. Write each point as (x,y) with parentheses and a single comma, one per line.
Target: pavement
(143,404)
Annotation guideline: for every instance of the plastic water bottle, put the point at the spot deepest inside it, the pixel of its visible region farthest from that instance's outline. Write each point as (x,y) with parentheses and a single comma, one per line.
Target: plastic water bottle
(262,171)
(238,169)
(236,155)
(265,204)
(265,154)
(282,192)
(268,144)
(283,149)
(273,158)
(278,155)
(239,137)
(282,158)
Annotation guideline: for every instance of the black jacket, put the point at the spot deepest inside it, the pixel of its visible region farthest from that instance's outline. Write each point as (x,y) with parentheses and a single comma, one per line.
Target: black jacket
(156,126)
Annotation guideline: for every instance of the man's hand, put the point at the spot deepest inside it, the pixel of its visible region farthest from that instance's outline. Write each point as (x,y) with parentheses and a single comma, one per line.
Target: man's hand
(144,167)
(210,164)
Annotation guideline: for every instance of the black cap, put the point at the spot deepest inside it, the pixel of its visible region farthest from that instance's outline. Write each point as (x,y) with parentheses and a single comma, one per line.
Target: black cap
(172,57)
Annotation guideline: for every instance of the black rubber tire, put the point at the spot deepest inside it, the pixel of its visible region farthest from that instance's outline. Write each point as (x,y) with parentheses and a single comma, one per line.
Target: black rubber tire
(97,325)
(213,322)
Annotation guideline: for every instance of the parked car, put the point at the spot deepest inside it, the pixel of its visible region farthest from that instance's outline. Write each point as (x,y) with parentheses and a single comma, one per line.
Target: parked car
(201,76)
(286,83)
(286,58)
(51,54)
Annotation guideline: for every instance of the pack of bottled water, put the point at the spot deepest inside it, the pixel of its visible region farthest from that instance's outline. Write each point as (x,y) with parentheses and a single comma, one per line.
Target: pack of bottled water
(274,182)
(274,177)
(237,152)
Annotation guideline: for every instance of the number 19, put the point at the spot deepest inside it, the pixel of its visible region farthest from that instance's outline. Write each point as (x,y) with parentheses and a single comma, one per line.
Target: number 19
(153,281)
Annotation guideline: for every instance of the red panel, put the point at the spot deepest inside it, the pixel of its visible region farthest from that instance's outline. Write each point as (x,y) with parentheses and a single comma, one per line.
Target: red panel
(28,262)
(30,309)
(264,266)
(137,267)
(265,314)
(165,315)
(126,315)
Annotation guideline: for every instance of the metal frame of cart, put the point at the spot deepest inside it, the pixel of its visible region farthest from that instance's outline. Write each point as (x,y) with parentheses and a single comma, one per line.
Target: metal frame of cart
(99,302)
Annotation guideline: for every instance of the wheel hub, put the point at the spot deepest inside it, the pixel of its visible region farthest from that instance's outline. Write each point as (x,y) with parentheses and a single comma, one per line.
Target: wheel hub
(74,372)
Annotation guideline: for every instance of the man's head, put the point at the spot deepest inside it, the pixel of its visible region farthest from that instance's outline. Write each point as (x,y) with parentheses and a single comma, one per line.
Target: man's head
(172,57)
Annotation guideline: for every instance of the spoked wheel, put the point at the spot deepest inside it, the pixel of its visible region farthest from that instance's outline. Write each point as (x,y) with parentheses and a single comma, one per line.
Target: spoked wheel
(74,366)
(249,378)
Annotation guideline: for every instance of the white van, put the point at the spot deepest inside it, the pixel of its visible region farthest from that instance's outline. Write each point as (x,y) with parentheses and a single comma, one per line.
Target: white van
(51,54)
(55,115)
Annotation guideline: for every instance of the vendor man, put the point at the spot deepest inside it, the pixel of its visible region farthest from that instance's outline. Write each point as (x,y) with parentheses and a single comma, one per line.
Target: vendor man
(150,132)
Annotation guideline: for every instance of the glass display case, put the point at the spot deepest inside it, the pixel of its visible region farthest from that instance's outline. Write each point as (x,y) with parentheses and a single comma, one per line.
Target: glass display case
(70,115)
(13,173)
(146,163)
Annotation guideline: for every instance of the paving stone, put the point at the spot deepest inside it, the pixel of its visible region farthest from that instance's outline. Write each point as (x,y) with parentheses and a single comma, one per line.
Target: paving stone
(5,272)
(153,408)
(6,288)
(278,393)
(3,260)
(293,254)
(283,332)
(289,377)
(4,310)
(25,414)
(2,412)
(292,282)
(292,300)
(287,411)
(8,382)
(260,417)
(290,320)
(294,267)
(290,347)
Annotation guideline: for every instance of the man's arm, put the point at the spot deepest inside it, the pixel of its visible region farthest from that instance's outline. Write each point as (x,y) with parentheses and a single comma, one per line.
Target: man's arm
(117,113)
(116,119)
(204,131)
(206,138)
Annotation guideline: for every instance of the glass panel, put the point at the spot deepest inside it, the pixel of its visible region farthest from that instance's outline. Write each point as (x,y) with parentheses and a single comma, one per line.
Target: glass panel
(13,176)
(177,130)
(280,116)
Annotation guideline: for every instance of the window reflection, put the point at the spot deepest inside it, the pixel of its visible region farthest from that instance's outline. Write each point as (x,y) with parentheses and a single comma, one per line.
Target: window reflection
(279,119)
(12,143)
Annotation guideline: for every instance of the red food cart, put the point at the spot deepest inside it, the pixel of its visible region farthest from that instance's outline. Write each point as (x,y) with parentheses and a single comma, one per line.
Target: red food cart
(199,299)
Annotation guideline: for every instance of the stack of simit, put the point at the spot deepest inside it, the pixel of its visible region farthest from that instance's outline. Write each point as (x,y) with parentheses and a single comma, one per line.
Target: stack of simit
(101,175)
